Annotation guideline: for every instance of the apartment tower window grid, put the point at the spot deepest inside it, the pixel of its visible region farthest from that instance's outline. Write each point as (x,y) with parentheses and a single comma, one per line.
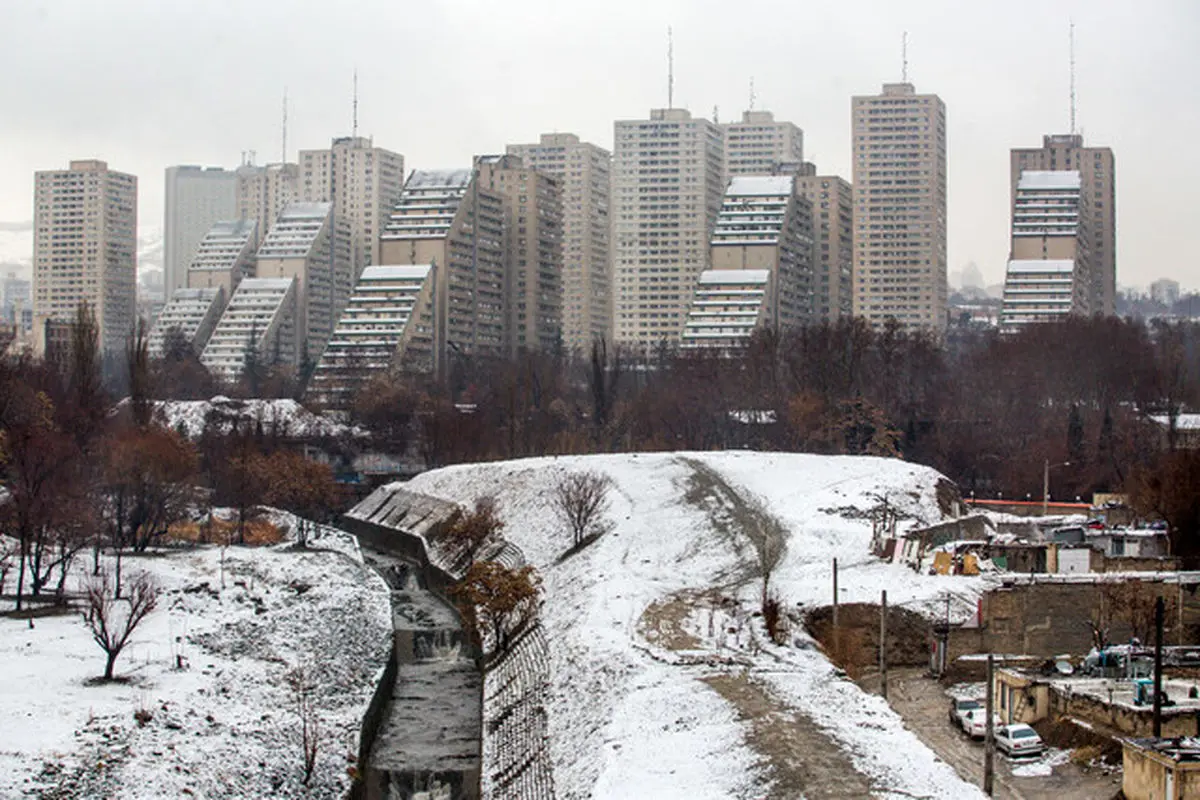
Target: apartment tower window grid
(667,189)
(899,160)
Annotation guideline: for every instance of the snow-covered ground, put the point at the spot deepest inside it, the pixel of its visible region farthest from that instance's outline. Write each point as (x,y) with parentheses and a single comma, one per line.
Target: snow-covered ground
(284,416)
(642,620)
(225,724)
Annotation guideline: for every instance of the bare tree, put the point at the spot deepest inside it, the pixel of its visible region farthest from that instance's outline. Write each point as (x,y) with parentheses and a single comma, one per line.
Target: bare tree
(302,685)
(111,620)
(581,498)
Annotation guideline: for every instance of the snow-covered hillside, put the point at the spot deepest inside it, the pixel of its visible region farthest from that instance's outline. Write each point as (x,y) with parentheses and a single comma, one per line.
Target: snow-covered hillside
(225,724)
(662,682)
(16,248)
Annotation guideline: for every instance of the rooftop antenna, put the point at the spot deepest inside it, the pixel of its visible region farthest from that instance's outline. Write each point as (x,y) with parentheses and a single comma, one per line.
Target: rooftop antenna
(354,128)
(283,159)
(752,95)
(904,58)
(670,68)
(1071,47)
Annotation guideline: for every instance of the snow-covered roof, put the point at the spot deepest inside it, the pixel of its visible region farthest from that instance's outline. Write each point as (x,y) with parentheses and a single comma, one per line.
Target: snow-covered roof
(761,185)
(748,276)
(283,416)
(296,231)
(430,178)
(194,312)
(394,272)
(1183,422)
(388,306)
(227,245)
(1039,265)
(1047,179)
(260,308)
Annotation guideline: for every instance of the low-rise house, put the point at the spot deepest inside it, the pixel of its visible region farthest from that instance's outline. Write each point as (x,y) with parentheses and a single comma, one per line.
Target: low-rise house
(1161,769)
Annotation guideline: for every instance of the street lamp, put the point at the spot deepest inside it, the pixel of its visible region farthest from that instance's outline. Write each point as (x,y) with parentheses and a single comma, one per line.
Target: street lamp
(1046,466)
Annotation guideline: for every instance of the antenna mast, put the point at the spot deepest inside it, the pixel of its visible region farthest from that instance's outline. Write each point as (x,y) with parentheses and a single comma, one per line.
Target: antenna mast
(670,68)
(1071,45)
(752,95)
(904,58)
(354,128)
(283,156)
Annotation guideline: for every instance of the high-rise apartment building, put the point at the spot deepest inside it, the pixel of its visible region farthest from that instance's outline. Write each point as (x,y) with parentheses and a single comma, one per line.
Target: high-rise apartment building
(446,219)
(584,173)
(832,201)
(311,245)
(195,198)
(84,247)
(263,193)
(758,144)
(533,251)
(667,189)
(1049,273)
(899,152)
(761,269)
(362,182)
(225,255)
(1097,170)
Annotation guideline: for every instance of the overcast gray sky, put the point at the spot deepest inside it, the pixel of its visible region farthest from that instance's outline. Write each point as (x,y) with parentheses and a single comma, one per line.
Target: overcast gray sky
(145,84)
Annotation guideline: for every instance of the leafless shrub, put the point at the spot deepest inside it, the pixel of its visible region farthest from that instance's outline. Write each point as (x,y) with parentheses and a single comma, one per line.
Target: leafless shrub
(581,498)
(302,685)
(112,620)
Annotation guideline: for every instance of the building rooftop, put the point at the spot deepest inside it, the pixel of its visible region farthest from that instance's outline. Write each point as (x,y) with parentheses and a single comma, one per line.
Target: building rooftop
(773,185)
(1041,265)
(1060,179)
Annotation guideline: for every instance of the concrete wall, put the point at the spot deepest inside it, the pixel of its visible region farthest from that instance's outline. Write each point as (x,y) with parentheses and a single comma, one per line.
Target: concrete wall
(1046,618)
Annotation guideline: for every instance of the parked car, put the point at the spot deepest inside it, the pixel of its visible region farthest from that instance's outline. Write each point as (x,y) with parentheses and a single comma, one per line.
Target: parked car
(1019,739)
(974,723)
(961,708)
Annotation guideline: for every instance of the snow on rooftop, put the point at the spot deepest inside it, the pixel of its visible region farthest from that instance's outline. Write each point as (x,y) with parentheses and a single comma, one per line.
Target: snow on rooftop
(1039,265)
(1039,179)
(432,178)
(761,185)
(1183,422)
(306,211)
(747,276)
(395,272)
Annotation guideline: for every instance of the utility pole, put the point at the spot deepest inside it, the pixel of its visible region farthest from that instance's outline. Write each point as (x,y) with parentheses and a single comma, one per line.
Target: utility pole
(836,643)
(1158,641)
(883,644)
(989,736)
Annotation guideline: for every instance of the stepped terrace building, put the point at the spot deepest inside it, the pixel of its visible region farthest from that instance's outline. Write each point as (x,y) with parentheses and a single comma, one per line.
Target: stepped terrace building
(726,308)
(307,243)
(762,265)
(194,313)
(445,218)
(260,321)
(387,326)
(225,256)
(1049,269)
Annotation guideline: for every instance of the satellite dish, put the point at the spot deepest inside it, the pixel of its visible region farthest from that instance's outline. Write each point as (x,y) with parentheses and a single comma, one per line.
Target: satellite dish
(1064,667)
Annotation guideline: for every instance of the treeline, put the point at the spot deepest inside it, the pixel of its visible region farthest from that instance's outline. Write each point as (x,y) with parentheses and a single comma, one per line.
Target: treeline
(987,410)
(81,474)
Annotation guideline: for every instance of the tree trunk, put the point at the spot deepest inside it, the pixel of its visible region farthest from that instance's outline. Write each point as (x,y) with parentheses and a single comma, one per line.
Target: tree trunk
(117,590)
(24,553)
(109,663)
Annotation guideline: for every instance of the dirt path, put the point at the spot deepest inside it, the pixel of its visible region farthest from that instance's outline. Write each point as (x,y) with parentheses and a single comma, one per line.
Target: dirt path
(739,520)
(804,762)
(923,705)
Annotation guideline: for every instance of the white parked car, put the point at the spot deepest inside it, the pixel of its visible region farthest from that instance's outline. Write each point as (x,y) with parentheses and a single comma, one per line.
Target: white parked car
(1019,739)
(964,711)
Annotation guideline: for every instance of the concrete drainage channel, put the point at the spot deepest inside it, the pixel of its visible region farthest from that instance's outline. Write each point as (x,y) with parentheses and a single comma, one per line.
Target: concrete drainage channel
(423,730)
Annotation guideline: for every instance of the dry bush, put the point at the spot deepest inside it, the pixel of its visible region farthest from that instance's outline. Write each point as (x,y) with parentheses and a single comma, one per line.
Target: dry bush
(496,602)
(774,619)
(471,529)
(581,498)
(303,685)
